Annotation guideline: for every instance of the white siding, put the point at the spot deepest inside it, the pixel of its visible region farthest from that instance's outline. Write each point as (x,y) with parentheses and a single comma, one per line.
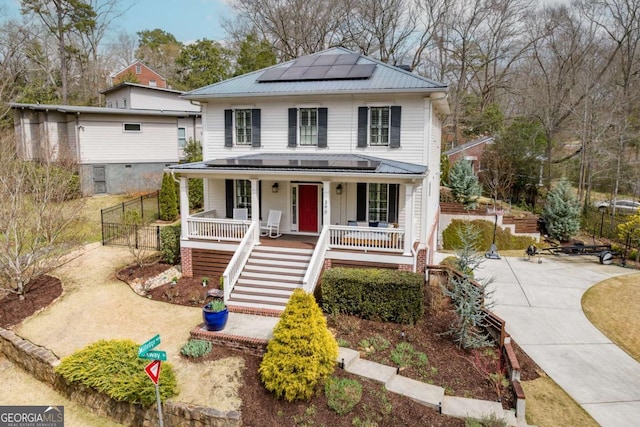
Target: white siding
(104,141)
(152,99)
(342,127)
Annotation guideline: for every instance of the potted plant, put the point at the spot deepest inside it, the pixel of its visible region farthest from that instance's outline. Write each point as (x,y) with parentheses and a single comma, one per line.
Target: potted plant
(205,281)
(215,315)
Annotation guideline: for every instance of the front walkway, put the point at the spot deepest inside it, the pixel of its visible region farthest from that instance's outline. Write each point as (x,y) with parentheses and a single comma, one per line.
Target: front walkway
(541,304)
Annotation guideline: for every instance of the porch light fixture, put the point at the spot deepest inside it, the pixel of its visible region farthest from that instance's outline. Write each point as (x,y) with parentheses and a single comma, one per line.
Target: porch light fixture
(274,188)
(339,189)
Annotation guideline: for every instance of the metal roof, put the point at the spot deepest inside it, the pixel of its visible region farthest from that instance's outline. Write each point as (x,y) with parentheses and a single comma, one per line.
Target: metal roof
(385,78)
(300,162)
(76,109)
(129,84)
(459,148)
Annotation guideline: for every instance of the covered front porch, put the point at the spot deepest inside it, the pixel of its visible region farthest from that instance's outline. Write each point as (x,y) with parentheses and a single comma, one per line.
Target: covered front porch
(354,214)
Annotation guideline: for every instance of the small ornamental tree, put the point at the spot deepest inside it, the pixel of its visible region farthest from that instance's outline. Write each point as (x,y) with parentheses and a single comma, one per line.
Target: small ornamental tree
(468,298)
(168,199)
(302,351)
(630,230)
(561,212)
(464,184)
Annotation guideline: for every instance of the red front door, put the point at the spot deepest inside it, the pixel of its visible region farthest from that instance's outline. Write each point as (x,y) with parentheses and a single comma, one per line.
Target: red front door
(308,208)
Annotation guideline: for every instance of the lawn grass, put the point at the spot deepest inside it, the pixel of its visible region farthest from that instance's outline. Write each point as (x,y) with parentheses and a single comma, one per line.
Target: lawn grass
(91,213)
(612,307)
(549,405)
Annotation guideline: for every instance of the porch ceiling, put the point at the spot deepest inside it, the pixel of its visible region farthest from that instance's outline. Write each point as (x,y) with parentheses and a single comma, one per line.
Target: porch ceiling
(310,164)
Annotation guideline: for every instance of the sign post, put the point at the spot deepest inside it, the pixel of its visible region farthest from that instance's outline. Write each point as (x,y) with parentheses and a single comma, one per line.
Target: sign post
(145,351)
(153,371)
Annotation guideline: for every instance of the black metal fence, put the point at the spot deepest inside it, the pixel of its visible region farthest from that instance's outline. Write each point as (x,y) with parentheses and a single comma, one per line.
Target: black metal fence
(602,225)
(116,231)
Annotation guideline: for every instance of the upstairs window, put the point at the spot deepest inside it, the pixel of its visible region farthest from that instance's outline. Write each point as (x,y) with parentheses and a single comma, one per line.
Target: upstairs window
(153,83)
(379,126)
(138,69)
(242,127)
(182,137)
(307,127)
(132,127)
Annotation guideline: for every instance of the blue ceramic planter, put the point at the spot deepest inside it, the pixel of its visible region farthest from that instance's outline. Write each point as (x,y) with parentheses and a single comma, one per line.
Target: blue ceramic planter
(215,321)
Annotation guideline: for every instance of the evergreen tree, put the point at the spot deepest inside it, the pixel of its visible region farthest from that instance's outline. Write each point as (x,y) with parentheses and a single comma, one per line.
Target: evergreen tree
(562,212)
(464,184)
(168,199)
(193,153)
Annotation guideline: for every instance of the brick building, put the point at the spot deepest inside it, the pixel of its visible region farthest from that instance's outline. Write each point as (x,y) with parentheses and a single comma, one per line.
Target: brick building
(143,74)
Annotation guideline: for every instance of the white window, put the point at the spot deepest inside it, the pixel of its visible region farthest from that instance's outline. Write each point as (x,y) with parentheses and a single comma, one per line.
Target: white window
(242,127)
(124,103)
(138,69)
(153,83)
(182,137)
(379,126)
(109,104)
(132,127)
(243,195)
(308,126)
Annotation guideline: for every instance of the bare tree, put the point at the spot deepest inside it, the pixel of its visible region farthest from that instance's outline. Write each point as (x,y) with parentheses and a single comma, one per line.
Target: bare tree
(39,216)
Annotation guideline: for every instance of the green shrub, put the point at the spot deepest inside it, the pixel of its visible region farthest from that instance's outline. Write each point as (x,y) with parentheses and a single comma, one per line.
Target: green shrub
(196,348)
(342,394)
(404,355)
(504,239)
(301,352)
(113,367)
(168,199)
(170,244)
(387,295)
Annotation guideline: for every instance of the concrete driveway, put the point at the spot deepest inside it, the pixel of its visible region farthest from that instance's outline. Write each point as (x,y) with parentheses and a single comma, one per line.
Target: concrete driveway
(541,304)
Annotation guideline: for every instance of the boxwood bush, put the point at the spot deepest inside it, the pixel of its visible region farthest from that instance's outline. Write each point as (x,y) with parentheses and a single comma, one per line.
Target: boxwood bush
(170,244)
(504,239)
(372,293)
(113,367)
(302,351)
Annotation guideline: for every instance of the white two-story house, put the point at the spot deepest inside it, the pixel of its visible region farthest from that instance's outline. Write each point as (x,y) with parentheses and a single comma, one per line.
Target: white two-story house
(340,150)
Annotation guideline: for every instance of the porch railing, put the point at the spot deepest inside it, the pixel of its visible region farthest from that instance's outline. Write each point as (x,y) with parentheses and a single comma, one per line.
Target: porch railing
(239,259)
(317,262)
(366,238)
(204,226)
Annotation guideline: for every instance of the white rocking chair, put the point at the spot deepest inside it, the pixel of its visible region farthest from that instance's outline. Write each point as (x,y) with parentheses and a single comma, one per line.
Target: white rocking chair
(272,227)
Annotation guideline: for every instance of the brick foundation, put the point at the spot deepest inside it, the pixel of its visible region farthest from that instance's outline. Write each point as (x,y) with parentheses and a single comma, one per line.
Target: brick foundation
(187,262)
(421,262)
(405,267)
(254,346)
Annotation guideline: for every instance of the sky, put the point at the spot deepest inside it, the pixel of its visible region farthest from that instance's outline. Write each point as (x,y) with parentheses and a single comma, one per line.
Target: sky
(187,20)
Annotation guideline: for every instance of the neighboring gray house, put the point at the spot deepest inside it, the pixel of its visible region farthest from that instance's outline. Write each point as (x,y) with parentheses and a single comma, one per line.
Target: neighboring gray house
(118,150)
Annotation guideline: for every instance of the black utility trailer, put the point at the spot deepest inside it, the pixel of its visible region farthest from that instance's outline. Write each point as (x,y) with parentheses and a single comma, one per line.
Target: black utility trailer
(604,252)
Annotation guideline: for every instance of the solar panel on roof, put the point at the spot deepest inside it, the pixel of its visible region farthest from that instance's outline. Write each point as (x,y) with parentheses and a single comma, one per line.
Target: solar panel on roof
(273,163)
(326,60)
(321,67)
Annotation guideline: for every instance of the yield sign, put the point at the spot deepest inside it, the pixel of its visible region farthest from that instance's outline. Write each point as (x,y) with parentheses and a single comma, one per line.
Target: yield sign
(153,370)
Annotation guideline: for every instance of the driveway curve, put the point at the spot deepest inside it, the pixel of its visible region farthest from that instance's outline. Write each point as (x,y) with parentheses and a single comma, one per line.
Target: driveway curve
(541,304)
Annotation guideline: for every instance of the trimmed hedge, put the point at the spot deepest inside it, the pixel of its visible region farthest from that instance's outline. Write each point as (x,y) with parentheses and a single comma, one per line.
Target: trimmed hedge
(372,293)
(113,367)
(504,239)
(302,351)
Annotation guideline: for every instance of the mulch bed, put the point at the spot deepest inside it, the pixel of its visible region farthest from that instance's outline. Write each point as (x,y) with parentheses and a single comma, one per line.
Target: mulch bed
(460,372)
(40,293)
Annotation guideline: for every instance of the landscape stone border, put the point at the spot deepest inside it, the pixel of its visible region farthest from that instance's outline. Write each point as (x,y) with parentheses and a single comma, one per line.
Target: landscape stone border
(40,362)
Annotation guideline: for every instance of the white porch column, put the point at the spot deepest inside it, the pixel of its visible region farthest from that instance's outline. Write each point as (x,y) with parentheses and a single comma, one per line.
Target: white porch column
(255,208)
(184,206)
(408,219)
(326,203)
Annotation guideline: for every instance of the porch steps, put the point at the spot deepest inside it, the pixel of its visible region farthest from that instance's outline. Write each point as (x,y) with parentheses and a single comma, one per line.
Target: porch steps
(270,277)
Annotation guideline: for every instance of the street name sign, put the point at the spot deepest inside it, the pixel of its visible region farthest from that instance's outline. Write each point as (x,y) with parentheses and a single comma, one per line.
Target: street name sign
(154,355)
(148,345)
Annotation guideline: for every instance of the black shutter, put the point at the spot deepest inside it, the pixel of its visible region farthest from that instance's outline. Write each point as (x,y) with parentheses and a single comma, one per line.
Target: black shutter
(363,121)
(394,135)
(361,197)
(228,128)
(255,127)
(229,194)
(392,214)
(293,127)
(259,199)
(322,127)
